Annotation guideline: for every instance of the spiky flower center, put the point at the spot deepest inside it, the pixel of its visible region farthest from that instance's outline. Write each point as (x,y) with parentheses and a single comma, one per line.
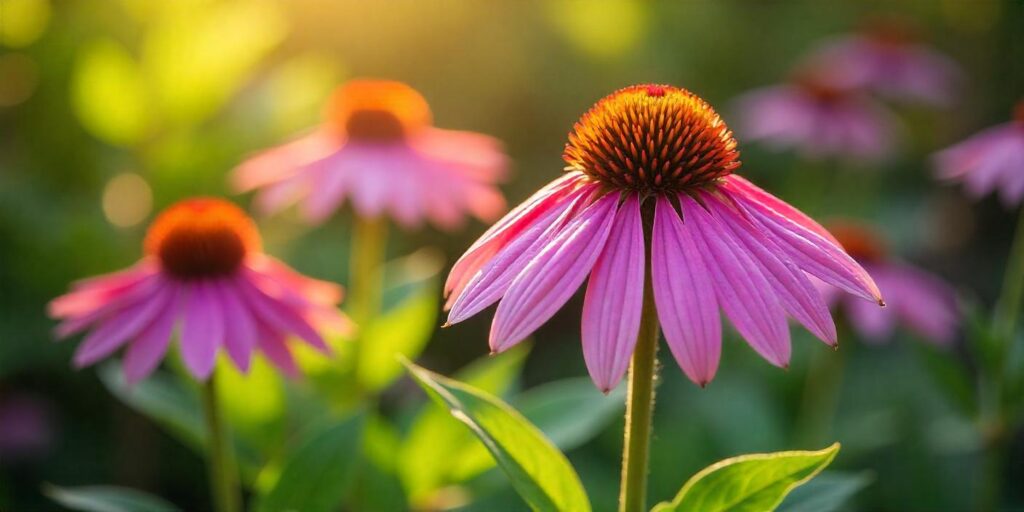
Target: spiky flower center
(377,110)
(202,237)
(652,139)
(860,242)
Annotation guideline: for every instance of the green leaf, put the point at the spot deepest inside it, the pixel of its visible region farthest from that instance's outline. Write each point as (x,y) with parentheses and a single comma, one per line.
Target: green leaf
(109,94)
(434,443)
(569,412)
(403,330)
(752,483)
(254,403)
(102,498)
(828,492)
(319,472)
(539,472)
(163,399)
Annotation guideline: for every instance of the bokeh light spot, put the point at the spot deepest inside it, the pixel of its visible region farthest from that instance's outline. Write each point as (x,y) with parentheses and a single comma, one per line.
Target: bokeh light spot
(19,76)
(127,200)
(23,21)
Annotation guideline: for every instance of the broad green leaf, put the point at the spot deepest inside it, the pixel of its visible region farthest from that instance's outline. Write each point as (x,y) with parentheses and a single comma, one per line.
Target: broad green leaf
(569,412)
(319,472)
(103,498)
(434,443)
(827,492)
(752,483)
(108,93)
(377,486)
(162,398)
(539,472)
(403,330)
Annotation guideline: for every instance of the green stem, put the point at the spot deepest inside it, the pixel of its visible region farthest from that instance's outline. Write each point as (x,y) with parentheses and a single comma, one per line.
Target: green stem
(820,401)
(1009,305)
(369,242)
(219,457)
(640,406)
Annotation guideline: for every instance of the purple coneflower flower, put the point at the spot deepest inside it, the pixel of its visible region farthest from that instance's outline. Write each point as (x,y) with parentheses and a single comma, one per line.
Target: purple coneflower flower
(650,179)
(992,160)
(203,270)
(817,119)
(377,147)
(887,57)
(918,299)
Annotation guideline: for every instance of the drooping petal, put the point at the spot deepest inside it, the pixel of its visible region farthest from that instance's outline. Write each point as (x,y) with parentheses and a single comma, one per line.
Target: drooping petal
(239,326)
(874,324)
(553,275)
(109,304)
(743,291)
(202,333)
(120,327)
(144,353)
(794,290)
(762,197)
(277,163)
(274,346)
(506,229)
(493,280)
(926,303)
(614,299)
(277,314)
(809,250)
(685,295)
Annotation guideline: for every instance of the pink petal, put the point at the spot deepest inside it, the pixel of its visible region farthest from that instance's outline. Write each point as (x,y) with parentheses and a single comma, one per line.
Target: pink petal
(795,291)
(89,295)
(203,331)
(239,324)
(280,162)
(614,299)
(115,331)
(684,295)
(758,195)
(553,275)
(506,229)
(809,250)
(144,354)
(493,280)
(273,346)
(873,323)
(926,303)
(742,290)
(277,314)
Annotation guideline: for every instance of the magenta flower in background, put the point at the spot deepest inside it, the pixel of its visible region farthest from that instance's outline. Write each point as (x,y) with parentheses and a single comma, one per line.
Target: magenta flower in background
(917,299)
(886,57)
(991,161)
(817,119)
(203,272)
(655,162)
(377,147)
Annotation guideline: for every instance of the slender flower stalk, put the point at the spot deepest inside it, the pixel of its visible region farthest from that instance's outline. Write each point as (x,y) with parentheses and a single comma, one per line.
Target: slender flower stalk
(651,210)
(369,243)
(220,460)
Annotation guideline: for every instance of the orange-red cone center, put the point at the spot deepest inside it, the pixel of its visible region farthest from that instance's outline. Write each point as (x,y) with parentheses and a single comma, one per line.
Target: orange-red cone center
(203,237)
(377,111)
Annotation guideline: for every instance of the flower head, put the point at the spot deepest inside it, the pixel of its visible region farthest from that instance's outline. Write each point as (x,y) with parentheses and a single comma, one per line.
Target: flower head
(992,160)
(650,177)
(817,118)
(205,277)
(886,56)
(378,148)
(917,299)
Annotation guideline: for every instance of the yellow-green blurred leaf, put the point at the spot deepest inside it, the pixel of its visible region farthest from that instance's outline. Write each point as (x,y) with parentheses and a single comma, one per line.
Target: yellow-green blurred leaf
(604,29)
(403,330)
(255,402)
(197,59)
(23,21)
(296,91)
(109,95)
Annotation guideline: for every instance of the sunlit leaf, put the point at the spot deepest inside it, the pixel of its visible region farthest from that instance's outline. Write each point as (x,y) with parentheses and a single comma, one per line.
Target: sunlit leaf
(827,492)
(403,330)
(296,90)
(434,442)
(609,28)
(318,473)
(539,472)
(109,94)
(103,498)
(570,412)
(756,482)
(23,21)
(254,403)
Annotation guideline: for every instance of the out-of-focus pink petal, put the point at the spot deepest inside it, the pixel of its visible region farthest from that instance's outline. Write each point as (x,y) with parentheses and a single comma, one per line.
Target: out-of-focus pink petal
(277,314)
(505,230)
(743,291)
(614,299)
(144,354)
(553,275)
(91,294)
(239,326)
(280,162)
(926,303)
(795,291)
(97,311)
(685,295)
(809,250)
(273,345)
(120,327)
(493,280)
(202,332)
(874,324)
(477,156)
